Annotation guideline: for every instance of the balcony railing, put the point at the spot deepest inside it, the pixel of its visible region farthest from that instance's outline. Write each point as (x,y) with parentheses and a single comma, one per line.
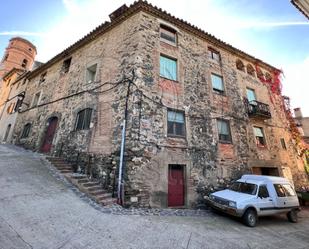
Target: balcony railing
(257,109)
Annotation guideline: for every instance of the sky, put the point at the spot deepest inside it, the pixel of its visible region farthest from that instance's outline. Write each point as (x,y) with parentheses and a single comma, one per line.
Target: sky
(271,30)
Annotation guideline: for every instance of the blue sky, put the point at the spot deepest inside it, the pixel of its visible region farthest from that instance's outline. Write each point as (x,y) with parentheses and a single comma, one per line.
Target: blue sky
(272,30)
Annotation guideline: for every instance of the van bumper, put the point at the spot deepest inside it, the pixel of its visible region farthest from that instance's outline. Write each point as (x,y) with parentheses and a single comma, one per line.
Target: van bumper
(223,208)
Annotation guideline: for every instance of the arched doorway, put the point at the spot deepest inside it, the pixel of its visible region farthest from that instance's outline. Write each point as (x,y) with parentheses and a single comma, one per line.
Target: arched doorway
(49,134)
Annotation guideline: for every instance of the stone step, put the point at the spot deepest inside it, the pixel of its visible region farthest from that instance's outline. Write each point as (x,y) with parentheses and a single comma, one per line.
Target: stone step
(65,171)
(60,163)
(52,159)
(91,184)
(80,177)
(97,192)
(82,180)
(109,201)
(104,196)
(63,167)
(94,188)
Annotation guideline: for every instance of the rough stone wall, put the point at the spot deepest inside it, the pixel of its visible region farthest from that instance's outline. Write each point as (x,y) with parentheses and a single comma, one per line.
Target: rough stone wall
(94,151)
(208,163)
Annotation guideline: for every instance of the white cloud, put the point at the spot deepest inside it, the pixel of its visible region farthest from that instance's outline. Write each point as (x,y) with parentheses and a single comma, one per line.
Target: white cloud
(296,85)
(21,33)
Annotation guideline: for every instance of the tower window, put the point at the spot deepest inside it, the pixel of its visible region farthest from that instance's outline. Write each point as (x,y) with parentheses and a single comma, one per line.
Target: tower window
(24,64)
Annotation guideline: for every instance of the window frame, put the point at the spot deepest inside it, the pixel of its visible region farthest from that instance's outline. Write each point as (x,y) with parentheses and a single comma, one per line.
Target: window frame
(26,130)
(252,90)
(83,113)
(66,65)
(224,141)
(283,143)
(39,99)
(216,90)
(164,27)
(89,71)
(184,131)
(257,142)
(212,52)
(172,59)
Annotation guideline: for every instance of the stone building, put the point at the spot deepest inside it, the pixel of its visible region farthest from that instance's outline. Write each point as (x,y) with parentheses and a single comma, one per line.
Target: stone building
(200,112)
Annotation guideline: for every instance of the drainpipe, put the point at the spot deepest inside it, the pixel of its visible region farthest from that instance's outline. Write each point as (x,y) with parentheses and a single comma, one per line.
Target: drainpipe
(120,192)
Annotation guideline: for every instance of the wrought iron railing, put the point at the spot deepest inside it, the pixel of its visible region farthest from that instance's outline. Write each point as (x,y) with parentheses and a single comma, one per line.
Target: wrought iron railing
(257,109)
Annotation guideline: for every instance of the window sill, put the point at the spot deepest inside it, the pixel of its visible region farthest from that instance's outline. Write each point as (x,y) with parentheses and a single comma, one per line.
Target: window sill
(225,142)
(169,43)
(176,136)
(175,81)
(262,147)
(221,93)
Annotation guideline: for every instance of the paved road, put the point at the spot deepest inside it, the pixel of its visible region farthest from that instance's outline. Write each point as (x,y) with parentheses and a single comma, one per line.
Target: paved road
(39,210)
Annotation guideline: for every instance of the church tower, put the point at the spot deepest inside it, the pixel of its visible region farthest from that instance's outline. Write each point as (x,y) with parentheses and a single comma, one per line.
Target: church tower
(19,54)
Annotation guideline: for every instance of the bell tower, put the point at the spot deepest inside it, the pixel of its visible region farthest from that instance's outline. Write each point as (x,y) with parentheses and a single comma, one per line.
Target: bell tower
(20,54)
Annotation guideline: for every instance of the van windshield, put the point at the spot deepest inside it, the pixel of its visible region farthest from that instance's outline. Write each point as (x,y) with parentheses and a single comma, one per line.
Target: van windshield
(244,187)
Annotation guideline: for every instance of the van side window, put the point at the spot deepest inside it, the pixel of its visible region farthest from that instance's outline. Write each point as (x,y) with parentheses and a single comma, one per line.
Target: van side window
(263,192)
(280,190)
(289,191)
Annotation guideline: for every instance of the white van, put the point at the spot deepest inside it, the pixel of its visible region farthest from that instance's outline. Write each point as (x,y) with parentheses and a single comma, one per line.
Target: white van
(256,195)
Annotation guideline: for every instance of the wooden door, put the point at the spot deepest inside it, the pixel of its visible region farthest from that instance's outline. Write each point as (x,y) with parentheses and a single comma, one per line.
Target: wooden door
(49,135)
(176,186)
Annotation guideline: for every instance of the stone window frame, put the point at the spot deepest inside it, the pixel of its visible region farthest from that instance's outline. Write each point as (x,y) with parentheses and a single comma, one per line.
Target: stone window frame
(257,138)
(177,66)
(26,130)
(250,70)
(218,91)
(88,68)
(230,138)
(84,125)
(240,65)
(39,99)
(24,63)
(168,29)
(43,77)
(66,65)
(211,55)
(184,136)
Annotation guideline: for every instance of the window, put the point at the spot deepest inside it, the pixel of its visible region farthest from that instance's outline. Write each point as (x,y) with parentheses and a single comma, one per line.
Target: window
(240,65)
(176,123)
(66,65)
(83,119)
(244,187)
(224,131)
(43,77)
(24,63)
(91,73)
(260,74)
(214,55)
(250,70)
(268,78)
(217,83)
(251,95)
(259,136)
(263,192)
(36,99)
(26,131)
(11,108)
(168,68)
(283,190)
(6,57)
(168,34)
(283,145)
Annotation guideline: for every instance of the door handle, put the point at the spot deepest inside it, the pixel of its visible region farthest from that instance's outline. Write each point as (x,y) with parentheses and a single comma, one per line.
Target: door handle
(270,199)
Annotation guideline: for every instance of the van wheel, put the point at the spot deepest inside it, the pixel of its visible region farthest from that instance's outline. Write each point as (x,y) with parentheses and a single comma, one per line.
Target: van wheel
(250,218)
(292,216)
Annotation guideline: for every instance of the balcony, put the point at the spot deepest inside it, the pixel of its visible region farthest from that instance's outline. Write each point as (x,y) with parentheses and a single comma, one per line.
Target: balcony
(257,109)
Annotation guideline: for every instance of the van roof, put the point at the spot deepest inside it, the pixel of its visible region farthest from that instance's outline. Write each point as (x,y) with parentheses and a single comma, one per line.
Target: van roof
(264,178)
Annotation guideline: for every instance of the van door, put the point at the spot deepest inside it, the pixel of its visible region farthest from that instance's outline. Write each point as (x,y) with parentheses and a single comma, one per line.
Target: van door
(264,202)
(282,200)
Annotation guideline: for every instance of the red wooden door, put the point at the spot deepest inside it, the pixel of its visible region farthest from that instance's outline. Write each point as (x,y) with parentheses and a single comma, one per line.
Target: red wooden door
(176,186)
(49,135)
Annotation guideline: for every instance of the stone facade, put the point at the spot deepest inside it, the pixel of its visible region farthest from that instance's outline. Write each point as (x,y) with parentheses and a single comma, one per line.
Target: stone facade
(127,54)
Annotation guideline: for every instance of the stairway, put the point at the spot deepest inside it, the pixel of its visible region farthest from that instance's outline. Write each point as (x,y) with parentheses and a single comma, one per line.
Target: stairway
(88,186)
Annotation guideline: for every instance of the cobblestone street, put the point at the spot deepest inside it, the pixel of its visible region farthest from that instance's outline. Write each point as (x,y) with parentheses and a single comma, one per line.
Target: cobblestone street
(40,209)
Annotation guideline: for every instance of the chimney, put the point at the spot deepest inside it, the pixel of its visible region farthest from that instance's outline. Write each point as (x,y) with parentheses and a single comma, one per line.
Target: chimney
(297,113)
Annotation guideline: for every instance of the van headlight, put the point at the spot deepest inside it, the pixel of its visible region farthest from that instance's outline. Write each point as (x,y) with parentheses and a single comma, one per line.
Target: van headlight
(232,204)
